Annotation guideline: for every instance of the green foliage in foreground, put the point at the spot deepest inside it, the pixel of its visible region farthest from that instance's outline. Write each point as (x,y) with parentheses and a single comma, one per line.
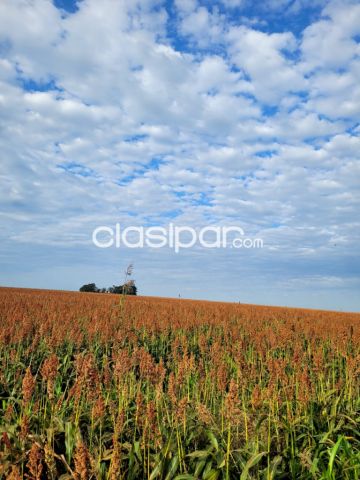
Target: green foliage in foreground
(184,404)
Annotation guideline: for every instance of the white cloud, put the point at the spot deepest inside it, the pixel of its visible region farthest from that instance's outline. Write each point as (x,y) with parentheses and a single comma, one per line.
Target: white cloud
(203,26)
(330,43)
(33,27)
(262,57)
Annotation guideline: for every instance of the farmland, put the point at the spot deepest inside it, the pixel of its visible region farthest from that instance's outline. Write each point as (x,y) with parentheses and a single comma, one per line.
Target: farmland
(107,387)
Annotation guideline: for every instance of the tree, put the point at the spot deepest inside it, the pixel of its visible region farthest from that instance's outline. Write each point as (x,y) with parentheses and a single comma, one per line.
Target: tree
(116,289)
(90,287)
(128,288)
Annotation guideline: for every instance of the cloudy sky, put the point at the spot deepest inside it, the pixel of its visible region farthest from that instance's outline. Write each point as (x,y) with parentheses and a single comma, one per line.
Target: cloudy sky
(195,112)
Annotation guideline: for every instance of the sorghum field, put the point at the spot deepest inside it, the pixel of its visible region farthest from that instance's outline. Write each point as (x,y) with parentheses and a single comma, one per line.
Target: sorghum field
(107,387)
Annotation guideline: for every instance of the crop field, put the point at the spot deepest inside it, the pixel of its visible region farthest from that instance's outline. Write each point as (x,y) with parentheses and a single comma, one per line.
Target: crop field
(101,386)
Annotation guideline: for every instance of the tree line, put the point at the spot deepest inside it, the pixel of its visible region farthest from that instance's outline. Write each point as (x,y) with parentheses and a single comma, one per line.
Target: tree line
(128,288)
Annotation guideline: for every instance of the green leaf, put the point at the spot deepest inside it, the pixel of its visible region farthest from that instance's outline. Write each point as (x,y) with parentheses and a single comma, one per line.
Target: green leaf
(254,460)
(199,467)
(212,474)
(213,440)
(137,450)
(185,476)
(273,467)
(207,468)
(199,454)
(174,465)
(70,439)
(333,454)
(157,471)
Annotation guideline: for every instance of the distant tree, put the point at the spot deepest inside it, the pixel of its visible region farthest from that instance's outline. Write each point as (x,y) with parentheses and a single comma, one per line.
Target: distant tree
(90,287)
(116,289)
(128,289)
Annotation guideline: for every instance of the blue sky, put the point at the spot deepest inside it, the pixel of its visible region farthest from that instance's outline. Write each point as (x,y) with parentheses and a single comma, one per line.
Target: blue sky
(201,113)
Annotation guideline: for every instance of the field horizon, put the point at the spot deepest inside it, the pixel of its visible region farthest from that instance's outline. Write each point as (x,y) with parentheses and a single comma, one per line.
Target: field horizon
(185,299)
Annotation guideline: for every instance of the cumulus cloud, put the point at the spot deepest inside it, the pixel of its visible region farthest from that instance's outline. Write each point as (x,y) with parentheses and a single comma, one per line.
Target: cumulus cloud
(331,42)
(263,57)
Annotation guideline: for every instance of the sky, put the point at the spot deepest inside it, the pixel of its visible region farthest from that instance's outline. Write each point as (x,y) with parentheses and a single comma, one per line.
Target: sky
(191,112)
